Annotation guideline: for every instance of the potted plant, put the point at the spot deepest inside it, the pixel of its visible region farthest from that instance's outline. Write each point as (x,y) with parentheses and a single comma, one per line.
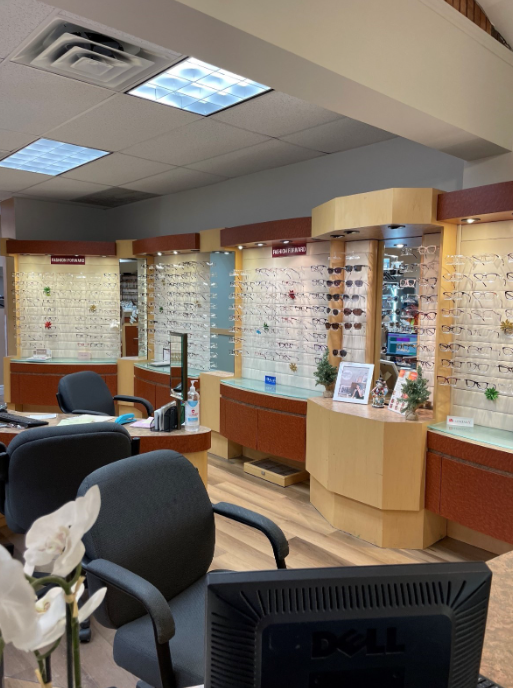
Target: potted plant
(415,393)
(326,375)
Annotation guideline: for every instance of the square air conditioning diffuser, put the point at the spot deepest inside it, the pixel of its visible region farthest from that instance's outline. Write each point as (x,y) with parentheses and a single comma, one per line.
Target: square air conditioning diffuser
(80,53)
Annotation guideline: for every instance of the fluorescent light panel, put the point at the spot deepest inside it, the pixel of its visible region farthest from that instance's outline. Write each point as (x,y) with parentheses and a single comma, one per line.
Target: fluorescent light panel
(51,157)
(198,87)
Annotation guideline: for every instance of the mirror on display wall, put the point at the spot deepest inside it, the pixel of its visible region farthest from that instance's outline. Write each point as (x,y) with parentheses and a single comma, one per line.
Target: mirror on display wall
(128,307)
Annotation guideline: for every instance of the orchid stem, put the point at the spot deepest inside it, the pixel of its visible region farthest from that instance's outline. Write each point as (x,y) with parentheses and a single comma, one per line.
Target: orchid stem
(2,645)
(76,651)
(42,667)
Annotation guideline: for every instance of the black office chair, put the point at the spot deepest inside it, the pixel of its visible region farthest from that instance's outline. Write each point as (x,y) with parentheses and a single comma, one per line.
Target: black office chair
(152,545)
(86,392)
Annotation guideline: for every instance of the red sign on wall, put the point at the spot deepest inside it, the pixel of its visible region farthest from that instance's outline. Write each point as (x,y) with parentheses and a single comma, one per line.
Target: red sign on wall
(284,251)
(67,260)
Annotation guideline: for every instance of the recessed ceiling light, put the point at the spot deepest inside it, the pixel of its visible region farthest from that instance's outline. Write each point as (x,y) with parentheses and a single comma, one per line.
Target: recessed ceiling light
(198,87)
(240,248)
(195,250)
(337,236)
(227,253)
(159,253)
(51,157)
(175,253)
(399,245)
(470,220)
(260,244)
(395,226)
(285,241)
(353,231)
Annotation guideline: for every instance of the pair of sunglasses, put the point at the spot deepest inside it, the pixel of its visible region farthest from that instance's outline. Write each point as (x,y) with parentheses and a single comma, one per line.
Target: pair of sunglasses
(342,353)
(347,326)
(349,268)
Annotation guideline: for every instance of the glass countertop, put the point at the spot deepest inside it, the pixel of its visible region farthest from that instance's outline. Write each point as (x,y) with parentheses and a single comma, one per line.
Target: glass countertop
(192,372)
(277,390)
(69,361)
(501,439)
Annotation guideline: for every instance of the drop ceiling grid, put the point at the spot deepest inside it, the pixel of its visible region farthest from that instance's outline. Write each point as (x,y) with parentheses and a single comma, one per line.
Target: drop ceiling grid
(155,149)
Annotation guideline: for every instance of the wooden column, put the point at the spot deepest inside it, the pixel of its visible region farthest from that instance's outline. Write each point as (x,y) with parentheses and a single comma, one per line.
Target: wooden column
(335,338)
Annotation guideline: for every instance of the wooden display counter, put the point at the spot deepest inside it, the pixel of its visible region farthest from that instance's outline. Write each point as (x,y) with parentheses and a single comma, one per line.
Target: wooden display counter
(367,470)
(469,482)
(155,384)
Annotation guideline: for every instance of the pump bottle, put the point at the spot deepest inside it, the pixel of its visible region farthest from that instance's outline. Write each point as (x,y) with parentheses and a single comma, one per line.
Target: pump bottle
(192,409)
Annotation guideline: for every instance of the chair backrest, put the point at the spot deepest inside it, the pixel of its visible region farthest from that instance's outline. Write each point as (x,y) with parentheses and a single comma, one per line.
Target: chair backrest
(45,466)
(85,390)
(156,520)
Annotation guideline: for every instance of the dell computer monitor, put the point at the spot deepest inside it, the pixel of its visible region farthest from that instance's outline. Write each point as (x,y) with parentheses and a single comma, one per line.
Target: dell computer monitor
(408,626)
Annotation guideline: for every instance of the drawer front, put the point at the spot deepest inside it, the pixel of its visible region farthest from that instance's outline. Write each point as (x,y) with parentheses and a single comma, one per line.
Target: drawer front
(239,423)
(282,434)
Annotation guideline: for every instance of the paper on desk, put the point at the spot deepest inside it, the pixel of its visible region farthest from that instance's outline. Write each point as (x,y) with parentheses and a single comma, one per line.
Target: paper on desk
(43,416)
(143,423)
(85,418)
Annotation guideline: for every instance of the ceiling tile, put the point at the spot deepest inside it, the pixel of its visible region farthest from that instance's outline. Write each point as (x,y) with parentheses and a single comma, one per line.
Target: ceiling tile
(4,195)
(276,114)
(14,140)
(33,101)
(116,169)
(3,154)
(63,189)
(120,122)
(18,18)
(197,141)
(344,134)
(17,180)
(114,197)
(263,156)
(179,179)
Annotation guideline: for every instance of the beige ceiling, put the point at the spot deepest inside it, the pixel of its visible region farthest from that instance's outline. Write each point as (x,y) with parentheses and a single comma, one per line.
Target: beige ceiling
(156,150)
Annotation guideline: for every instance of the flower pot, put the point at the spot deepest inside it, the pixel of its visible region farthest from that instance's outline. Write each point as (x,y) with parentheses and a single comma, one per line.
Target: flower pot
(328,391)
(411,415)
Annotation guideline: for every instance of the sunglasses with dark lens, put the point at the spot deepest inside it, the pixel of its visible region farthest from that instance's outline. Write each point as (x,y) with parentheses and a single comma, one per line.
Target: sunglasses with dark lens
(356,268)
(342,353)
(354,311)
(333,311)
(335,271)
(357,326)
(333,326)
(334,283)
(334,297)
(352,297)
(360,283)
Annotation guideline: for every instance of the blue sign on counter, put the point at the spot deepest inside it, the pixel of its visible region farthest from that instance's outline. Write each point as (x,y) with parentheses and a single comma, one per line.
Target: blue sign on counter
(270,380)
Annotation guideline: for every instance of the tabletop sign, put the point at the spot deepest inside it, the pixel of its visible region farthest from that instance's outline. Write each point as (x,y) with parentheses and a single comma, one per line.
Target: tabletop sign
(67,260)
(459,422)
(284,251)
(270,380)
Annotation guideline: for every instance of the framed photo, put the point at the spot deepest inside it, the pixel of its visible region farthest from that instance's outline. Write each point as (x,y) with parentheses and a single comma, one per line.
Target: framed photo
(354,382)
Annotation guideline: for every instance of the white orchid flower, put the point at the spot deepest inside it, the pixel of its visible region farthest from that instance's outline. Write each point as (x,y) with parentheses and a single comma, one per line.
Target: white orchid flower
(58,537)
(50,612)
(17,612)
(91,605)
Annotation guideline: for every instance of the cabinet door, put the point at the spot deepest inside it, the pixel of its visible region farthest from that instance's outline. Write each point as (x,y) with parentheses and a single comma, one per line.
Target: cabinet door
(239,423)
(282,434)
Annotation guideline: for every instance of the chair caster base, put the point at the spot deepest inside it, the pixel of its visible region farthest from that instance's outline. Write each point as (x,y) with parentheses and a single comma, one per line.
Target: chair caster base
(85,635)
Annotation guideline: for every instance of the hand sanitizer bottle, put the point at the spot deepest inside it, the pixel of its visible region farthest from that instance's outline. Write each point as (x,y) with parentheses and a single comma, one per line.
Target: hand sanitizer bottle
(192,407)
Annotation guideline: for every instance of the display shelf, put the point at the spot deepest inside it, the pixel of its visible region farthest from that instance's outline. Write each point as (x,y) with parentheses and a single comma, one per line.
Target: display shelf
(500,439)
(277,390)
(192,372)
(68,361)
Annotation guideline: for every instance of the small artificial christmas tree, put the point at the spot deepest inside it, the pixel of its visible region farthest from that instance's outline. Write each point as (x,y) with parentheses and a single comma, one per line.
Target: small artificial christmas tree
(326,375)
(415,393)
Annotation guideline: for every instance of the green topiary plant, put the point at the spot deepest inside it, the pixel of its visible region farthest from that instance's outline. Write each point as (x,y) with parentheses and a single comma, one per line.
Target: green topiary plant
(326,374)
(491,394)
(415,393)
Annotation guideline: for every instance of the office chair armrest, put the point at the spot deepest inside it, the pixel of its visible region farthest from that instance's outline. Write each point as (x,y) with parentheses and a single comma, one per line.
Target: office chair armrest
(141,590)
(273,533)
(136,400)
(90,413)
(4,464)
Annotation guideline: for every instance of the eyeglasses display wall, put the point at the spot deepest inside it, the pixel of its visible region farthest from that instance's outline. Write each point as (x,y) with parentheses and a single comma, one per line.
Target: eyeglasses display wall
(476,360)
(279,314)
(72,310)
(178,293)
(410,303)
(351,284)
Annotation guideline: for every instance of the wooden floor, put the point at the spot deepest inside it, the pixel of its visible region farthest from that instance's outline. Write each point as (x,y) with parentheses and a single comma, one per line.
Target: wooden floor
(313,543)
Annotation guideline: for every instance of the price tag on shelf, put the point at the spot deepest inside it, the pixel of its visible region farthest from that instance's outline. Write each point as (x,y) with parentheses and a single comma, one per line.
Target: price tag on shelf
(459,422)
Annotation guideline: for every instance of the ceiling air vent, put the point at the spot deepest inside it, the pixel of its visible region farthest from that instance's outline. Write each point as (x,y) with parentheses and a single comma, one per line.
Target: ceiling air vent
(75,51)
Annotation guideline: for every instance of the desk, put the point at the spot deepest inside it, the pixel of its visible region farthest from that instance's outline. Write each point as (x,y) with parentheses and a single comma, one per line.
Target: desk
(193,445)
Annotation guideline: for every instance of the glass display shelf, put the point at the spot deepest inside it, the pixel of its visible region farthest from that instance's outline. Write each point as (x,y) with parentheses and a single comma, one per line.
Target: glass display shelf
(277,390)
(192,372)
(68,361)
(500,439)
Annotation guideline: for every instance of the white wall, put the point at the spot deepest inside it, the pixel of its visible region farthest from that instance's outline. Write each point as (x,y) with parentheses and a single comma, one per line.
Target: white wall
(59,221)
(488,171)
(290,191)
